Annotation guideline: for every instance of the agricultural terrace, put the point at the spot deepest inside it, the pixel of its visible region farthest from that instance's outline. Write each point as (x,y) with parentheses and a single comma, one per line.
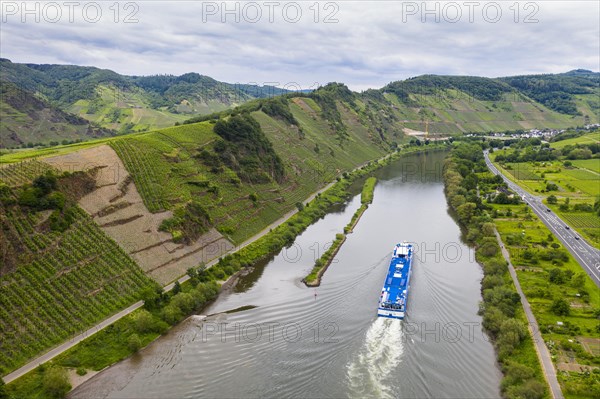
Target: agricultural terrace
(187,164)
(55,284)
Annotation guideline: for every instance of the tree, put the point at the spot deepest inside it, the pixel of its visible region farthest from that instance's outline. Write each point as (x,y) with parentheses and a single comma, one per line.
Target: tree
(512,331)
(578,281)
(465,211)
(55,382)
(531,389)
(560,307)
(3,393)
(488,229)
(176,288)
(492,319)
(45,183)
(134,343)
(552,199)
(144,322)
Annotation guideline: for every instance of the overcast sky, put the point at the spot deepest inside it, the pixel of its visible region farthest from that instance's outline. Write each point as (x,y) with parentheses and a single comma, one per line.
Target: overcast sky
(363,44)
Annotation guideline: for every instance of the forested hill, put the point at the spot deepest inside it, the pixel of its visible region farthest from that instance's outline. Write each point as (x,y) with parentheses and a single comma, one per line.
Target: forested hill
(433,103)
(127,103)
(565,92)
(27,119)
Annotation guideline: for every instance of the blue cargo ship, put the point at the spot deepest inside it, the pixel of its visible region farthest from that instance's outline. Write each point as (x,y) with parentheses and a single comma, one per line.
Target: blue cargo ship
(393,299)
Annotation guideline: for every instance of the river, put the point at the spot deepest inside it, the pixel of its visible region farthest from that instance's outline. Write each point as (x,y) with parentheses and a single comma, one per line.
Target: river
(327,342)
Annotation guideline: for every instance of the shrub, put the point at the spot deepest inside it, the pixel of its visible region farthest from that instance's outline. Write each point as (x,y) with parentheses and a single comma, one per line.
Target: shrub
(134,343)
(144,322)
(55,382)
(560,307)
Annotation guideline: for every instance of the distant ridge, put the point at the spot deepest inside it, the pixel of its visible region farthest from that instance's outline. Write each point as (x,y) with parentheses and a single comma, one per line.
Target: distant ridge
(111,102)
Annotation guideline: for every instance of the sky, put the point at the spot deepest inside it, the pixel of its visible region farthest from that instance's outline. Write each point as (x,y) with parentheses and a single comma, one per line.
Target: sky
(364,44)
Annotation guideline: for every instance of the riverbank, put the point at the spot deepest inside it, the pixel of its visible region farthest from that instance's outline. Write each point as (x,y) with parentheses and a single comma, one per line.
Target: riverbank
(115,343)
(314,277)
(465,177)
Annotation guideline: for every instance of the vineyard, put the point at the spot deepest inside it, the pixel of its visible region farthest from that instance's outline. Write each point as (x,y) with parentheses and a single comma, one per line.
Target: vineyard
(587,220)
(21,173)
(168,172)
(145,173)
(521,171)
(587,223)
(61,283)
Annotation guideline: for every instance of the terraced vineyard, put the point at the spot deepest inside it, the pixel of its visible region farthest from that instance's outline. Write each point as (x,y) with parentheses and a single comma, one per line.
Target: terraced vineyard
(145,173)
(56,284)
(168,171)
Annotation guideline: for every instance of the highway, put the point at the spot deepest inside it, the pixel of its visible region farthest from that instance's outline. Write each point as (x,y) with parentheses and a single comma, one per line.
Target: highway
(587,256)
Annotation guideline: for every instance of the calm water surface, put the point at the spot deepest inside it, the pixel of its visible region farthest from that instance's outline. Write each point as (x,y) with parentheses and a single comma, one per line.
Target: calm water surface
(327,342)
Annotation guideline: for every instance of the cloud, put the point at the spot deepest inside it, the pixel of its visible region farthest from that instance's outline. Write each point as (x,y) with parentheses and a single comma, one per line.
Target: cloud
(371,44)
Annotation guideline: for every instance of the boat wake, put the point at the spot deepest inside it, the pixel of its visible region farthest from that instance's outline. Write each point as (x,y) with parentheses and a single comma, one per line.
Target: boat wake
(369,370)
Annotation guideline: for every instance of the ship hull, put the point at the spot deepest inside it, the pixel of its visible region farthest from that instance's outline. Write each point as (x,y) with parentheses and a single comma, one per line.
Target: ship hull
(390,314)
(394,294)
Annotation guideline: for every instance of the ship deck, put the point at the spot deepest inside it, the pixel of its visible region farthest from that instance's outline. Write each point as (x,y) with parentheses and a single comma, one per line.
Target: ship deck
(397,283)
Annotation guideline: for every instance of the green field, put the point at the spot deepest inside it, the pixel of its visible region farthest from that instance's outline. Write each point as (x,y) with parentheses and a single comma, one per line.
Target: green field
(115,109)
(580,184)
(528,242)
(591,138)
(589,164)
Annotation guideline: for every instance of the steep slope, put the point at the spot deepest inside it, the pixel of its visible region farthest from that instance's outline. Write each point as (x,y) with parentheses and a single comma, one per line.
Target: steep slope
(573,93)
(28,119)
(59,272)
(189,193)
(129,103)
(457,104)
(248,168)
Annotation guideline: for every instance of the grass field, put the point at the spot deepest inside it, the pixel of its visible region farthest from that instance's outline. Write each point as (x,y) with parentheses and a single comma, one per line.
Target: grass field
(579,183)
(589,164)
(528,241)
(590,138)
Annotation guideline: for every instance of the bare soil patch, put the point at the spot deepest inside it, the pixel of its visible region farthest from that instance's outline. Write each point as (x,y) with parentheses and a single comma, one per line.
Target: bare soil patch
(116,205)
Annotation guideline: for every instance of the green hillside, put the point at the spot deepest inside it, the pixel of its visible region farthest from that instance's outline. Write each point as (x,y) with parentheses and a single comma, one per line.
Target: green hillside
(59,272)
(238,174)
(574,93)
(26,119)
(237,170)
(437,104)
(241,186)
(458,104)
(127,103)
